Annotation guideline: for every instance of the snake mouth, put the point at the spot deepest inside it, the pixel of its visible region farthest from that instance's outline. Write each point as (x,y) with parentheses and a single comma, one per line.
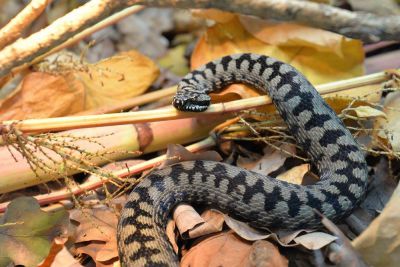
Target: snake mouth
(196,103)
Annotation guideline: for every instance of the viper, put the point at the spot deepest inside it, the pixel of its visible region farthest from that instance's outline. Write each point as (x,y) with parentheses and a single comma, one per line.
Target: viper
(261,201)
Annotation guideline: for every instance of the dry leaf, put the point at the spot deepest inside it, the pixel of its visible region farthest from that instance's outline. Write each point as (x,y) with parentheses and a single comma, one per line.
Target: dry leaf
(369,112)
(379,244)
(391,124)
(170,232)
(42,95)
(186,218)
(213,223)
(177,153)
(264,253)
(341,59)
(123,76)
(96,234)
(294,175)
(315,240)
(308,239)
(191,225)
(225,249)
(27,232)
(64,258)
(271,161)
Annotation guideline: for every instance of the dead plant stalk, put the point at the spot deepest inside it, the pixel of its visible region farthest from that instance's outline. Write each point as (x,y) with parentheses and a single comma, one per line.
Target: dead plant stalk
(169,113)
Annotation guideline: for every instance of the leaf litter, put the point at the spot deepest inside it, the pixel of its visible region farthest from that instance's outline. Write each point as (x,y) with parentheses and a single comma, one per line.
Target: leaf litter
(217,239)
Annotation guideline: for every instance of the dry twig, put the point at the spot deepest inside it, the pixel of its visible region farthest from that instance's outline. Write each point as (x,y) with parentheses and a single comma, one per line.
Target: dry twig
(367,27)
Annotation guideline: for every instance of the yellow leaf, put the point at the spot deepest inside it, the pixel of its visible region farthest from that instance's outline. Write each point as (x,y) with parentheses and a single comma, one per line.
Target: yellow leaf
(321,56)
(175,60)
(368,112)
(117,78)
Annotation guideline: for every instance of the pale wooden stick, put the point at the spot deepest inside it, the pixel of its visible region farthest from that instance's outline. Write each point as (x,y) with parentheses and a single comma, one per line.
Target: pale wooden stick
(12,31)
(169,113)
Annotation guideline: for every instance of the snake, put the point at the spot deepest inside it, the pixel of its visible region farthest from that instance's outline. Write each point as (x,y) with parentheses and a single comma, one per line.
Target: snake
(260,201)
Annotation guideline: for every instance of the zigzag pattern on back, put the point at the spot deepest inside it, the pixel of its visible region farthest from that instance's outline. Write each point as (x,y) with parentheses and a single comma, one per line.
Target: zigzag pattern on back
(261,201)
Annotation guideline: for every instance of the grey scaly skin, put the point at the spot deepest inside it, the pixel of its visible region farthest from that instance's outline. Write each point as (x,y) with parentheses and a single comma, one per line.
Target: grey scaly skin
(261,201)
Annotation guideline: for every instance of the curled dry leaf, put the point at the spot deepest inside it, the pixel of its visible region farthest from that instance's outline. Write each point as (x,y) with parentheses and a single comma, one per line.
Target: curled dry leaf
(379,244)
(42,95)
(310,240)
(27,232)
(96,234)
(369,112)
(213,223)
(186,218)
(191,224)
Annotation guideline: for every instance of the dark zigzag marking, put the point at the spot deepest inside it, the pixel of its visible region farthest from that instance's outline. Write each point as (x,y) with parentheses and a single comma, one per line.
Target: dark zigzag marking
(137,236)
(344,191)
(294,204)
(332,199)
(157,182)
(245,57)
(250,191)
(343,151)
(271,199)
(313,201)
(306,104)
(199,72)
(131,220)
(287,78)
(144,252)
(263,62)
(225,62)
(319,122)
(330,137)
(212,66)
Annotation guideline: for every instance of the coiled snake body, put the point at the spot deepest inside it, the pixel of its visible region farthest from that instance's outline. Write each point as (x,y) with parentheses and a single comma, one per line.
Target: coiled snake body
(261,201)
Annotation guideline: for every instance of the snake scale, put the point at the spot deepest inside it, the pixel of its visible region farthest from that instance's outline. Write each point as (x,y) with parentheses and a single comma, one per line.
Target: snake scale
(261,201)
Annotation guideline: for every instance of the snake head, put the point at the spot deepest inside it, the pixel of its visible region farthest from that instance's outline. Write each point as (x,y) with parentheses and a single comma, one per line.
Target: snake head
(186,99)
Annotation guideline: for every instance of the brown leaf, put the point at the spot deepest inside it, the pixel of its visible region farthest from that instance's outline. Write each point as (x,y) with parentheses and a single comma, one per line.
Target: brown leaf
(42,95)
(227,249)
(96,234)
(264,253)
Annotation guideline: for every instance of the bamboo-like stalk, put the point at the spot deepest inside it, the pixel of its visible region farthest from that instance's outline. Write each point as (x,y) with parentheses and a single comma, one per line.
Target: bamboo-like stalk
(128,171)
(169,113)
